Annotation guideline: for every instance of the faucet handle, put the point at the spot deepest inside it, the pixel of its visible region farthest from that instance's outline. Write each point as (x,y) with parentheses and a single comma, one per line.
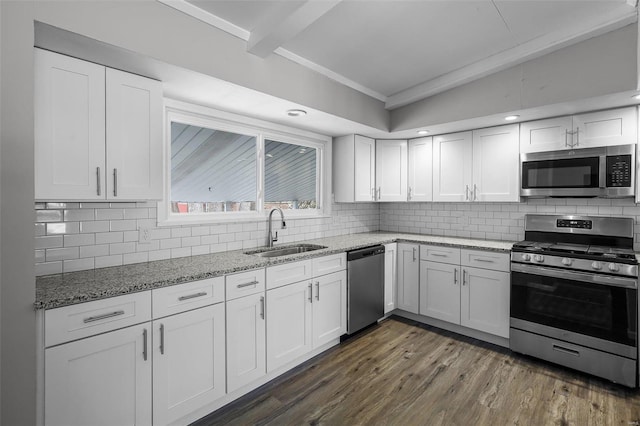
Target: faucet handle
(284,225)
(275,238)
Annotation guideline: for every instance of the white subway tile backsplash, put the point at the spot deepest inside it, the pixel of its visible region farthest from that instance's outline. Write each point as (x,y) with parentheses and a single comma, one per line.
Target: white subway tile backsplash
(94,226)
(129,258)
(171,243)
(79,240)
(107,261)
(95,250)
(109,237)
(159,255)
(78,264)
(121,248)
(78,215)
(109,214)
(180,252)
(137,213)
(49,216)
(123,225)
(44,242)
(55,228)
(40,229)
(48,268)
(54,254)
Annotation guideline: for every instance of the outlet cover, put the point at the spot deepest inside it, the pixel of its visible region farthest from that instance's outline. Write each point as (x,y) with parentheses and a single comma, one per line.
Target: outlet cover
(144,235)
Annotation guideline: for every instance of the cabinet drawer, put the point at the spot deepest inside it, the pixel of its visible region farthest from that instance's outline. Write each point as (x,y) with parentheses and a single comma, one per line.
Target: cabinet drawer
(245,283)
(288,273)
(329,264)
(184,297)
(485,259)
(87,319)
(440,254)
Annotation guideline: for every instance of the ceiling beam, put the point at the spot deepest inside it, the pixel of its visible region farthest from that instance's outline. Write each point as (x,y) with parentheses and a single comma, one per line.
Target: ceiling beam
(286,23)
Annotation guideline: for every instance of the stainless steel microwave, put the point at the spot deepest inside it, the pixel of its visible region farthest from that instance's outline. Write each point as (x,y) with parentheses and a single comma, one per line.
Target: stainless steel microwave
(585,172)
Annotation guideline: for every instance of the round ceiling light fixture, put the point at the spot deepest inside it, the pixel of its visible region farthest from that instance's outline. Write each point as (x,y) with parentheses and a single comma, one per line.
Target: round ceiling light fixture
(296,112)
(512,117)
(423,132)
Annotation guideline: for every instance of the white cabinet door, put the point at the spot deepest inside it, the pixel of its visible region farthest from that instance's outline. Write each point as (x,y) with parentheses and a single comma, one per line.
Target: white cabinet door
(408,269)
(288,323)
(440,291)
(420,181)
(391,170)
(134,137)
(188,362)
(485,301)
(496,164)
(546,135)
(365,168)
(603,128)
(452,162)
(69,128)
(390,277)
(246,346)
(100,380)
(329,307)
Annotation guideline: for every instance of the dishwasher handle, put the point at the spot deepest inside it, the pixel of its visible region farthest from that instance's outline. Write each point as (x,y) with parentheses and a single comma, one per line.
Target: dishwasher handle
(364,252)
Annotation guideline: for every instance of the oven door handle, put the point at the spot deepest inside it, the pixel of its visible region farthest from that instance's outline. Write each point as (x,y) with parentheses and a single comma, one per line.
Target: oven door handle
(575,276)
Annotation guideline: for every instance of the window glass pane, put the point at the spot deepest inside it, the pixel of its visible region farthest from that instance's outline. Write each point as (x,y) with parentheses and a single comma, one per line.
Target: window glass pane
(290,179)
(211,170)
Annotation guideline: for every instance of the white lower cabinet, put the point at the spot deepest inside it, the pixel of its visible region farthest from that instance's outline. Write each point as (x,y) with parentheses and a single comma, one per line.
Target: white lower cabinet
(456,290)
(100,380)
(408,271)
(390,276)
(246,340)
(188,362)
(329,308)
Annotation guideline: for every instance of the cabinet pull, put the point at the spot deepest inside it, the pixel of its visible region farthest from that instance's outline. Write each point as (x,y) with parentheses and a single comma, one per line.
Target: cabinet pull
(247,284)
(438,255)
(311,292)
(475,192)
(379,192)
(318,290)
(566,137)
(566,350)
(262,307)
(373,194)
(192,296)
(577,136)
(414,254)
(409,194)
(98,178)
(455,276)
(483,260)
(115,182)
(466,192)
(161,339)
(144,344)
(464,277)
(104,316)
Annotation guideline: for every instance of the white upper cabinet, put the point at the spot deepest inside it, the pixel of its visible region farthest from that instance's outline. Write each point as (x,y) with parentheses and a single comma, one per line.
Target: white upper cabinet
(452,162)
(496,164)
(420,181)
(134,137)
(98,132)
(69,128)
(391,170)
(354,170)
(594,129)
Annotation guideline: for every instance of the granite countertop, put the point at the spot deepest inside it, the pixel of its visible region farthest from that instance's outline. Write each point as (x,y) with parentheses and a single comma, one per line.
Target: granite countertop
(54,291)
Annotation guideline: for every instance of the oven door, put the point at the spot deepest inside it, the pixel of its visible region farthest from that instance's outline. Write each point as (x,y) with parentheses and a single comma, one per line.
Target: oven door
(593,310)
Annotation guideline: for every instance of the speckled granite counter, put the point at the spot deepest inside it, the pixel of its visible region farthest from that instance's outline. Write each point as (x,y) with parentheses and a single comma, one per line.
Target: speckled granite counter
(53,291)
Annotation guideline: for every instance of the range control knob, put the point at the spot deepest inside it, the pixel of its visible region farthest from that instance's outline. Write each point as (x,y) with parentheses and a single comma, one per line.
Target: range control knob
(566,261)
(538,258)
(596,265)
(614,267)
(526,257)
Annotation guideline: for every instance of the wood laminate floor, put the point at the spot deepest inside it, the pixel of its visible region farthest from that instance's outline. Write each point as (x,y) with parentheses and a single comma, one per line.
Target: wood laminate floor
(403,373)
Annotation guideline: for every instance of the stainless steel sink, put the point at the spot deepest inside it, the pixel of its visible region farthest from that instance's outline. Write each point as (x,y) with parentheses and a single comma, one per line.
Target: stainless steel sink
(284,251)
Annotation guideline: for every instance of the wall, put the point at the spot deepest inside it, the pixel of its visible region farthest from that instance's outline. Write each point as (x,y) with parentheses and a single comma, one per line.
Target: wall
(495,221)
(17,316)
(598,66)
(78,236)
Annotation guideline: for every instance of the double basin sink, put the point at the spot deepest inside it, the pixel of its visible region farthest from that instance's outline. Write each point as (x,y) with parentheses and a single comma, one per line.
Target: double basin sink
(284,251)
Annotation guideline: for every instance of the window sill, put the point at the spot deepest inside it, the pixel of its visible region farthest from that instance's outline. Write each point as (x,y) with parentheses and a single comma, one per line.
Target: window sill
(236,218)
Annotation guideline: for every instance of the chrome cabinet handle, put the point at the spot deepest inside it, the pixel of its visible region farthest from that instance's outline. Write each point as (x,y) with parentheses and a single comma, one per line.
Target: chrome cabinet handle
(247,284)
(566,138)
(104,316)
(115,182)
(475,192)
(98,178)
(311,292)
(161,339)
(144,344)
(438,255)
(192,296)
(455,276)
(379,192)
(484,260)
(373,193)
(464,277)
(318,290)
(414,254)
(466,192)
(262,307)
(409,194)
(577,136)
(566,350)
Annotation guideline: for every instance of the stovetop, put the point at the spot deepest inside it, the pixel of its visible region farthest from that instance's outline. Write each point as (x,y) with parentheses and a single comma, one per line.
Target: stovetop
(583,251)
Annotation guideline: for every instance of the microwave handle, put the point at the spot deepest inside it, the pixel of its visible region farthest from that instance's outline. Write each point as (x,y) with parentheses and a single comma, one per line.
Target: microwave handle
(602,176)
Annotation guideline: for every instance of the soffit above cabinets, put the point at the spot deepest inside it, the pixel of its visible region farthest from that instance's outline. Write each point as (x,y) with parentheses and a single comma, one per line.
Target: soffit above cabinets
(403,51)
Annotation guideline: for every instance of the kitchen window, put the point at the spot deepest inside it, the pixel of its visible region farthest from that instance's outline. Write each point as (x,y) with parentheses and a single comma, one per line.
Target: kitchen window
(223,170)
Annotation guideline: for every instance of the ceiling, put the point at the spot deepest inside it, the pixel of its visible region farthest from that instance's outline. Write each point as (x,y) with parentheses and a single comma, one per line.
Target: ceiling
(402,51)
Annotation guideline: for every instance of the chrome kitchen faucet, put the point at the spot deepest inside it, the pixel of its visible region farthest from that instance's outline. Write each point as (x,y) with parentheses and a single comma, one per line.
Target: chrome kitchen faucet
(270,238)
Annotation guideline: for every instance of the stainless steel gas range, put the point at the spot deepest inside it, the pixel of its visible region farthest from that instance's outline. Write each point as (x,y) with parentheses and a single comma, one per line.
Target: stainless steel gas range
(574,285)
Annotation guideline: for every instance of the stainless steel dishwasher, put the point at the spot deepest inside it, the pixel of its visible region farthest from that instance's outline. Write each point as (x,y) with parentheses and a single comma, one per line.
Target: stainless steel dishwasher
(365,287)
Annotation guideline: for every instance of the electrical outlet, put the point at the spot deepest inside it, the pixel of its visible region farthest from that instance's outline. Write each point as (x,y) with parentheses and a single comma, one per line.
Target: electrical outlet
(144,235)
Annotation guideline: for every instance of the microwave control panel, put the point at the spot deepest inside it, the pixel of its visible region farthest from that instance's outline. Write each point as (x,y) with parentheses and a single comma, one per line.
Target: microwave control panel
(619,171)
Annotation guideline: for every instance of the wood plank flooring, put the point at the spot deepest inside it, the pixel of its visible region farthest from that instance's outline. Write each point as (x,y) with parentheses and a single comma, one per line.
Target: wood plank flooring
(403,373)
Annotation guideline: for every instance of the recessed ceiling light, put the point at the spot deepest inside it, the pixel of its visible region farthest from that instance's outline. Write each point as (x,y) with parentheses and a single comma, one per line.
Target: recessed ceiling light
(636,97)
(296,112)
(511,117)
(423,132)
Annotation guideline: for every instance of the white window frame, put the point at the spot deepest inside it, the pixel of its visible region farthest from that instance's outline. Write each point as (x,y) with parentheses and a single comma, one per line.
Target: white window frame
(220,120)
